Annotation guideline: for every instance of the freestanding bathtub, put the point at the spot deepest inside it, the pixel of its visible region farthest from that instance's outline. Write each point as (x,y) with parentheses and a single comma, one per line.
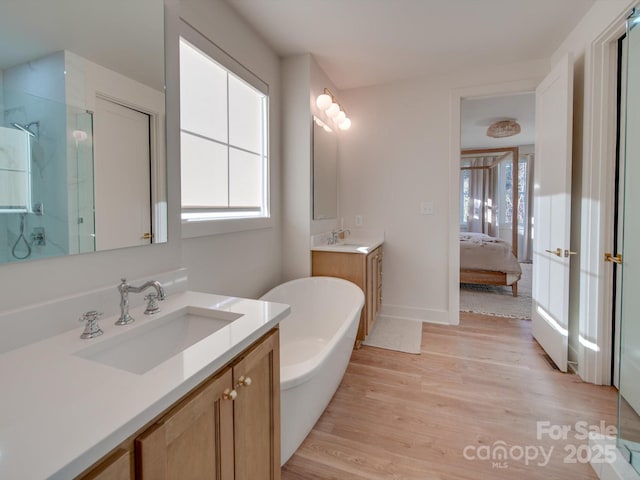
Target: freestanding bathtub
(316,341)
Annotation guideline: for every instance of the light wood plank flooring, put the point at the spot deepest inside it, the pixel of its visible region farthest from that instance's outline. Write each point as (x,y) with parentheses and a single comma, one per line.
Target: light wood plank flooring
(402,416)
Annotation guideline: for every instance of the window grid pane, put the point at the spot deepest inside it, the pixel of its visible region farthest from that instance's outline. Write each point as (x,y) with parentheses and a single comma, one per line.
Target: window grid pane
(245,179)
(204,172)
(203,95)
(245,116)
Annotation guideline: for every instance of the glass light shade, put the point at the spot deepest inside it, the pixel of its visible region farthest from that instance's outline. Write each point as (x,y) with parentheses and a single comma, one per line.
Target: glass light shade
(340,117)
(345,124)
(323,101)
(333,110)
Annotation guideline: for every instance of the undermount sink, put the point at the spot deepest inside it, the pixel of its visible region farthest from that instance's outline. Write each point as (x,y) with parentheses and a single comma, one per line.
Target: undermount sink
(142,348)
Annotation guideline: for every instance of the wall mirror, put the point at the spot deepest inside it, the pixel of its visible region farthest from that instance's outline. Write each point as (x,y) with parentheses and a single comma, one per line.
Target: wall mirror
(325,171)
(82,127)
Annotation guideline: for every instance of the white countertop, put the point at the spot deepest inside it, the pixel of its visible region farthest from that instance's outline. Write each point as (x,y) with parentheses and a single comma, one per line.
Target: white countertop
(60,413)
(351,245)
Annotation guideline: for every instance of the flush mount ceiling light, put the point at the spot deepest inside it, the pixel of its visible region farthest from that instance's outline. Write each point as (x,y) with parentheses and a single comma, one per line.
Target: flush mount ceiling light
(503,128)
(327,102)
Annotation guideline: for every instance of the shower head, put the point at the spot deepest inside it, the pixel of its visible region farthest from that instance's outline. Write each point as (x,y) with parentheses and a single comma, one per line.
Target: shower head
(27,128)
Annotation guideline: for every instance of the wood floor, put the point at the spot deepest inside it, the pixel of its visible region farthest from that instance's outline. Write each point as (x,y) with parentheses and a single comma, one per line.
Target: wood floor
(474,387)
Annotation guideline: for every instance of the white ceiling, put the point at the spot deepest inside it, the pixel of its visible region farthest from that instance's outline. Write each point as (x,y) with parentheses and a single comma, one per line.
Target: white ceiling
(367,42)
(478,113)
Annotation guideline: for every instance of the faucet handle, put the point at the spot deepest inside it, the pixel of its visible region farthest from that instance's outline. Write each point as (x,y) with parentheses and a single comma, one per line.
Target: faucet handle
(152,303)
(91,328)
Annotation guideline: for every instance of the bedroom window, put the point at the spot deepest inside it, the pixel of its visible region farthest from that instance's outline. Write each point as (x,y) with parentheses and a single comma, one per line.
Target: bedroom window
(223,134)
(506,193)
(523,182)
(505,202)
(465,198)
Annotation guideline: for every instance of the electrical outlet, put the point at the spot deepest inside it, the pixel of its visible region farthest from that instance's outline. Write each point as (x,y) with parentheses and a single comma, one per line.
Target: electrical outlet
(426,208)
(359,220)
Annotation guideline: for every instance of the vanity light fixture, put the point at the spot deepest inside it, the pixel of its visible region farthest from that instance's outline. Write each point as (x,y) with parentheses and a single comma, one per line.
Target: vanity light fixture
(327,102)
(321,124)
(503,128)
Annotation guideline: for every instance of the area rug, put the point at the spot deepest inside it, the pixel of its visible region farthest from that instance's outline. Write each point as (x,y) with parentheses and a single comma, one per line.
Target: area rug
(497,300)
(400,334)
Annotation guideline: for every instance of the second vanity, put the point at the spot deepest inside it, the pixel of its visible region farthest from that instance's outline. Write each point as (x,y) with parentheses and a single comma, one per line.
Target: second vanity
(358,260)
(125,404)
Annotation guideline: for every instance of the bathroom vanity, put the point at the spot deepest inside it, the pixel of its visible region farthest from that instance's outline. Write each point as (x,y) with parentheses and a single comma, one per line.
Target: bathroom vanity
(359,262)
(227,428)
(194,389)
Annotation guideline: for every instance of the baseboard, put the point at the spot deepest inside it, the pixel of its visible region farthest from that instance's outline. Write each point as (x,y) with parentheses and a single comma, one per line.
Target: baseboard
(413,313)
(618,468)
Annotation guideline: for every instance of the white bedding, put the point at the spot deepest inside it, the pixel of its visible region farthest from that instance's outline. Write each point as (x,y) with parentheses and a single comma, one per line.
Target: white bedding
(482,252)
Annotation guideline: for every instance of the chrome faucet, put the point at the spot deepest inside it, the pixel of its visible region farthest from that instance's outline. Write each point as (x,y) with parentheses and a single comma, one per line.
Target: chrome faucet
(338,234)
(152,307)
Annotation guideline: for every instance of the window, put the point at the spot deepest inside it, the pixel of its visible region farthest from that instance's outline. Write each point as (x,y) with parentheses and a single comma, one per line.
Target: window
(465,196)
(505,193)
(223,134)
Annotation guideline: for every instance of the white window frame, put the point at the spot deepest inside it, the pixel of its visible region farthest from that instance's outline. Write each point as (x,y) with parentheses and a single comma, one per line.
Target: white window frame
(230,223)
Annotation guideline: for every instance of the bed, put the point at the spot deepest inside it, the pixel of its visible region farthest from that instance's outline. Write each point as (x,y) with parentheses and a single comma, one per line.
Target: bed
(486,260)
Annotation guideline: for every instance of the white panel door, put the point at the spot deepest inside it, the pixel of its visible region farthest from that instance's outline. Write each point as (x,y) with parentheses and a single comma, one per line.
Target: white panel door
(552,212)
(122,176)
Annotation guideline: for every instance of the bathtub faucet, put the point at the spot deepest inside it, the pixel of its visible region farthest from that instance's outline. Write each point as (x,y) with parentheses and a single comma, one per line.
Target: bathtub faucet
(152,307)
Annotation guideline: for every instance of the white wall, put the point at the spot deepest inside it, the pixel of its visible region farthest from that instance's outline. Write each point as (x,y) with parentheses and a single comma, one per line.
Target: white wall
(296,178)
(397,154)
(245,264)
(302,80)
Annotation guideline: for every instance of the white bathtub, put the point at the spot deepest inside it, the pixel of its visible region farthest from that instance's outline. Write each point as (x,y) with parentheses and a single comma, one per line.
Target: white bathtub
(316,341)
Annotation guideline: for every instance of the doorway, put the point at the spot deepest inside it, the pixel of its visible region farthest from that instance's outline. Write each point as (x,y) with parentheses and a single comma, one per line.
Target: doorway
(123,163)
(496,214)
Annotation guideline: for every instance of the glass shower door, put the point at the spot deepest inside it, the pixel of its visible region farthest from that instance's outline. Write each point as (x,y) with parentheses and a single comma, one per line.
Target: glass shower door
(629,388)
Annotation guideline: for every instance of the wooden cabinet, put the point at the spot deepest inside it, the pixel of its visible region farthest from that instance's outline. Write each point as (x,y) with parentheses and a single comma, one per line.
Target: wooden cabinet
(363,270)
(117,466)
(226,429)
(194,440)
(256,414)
(373,292)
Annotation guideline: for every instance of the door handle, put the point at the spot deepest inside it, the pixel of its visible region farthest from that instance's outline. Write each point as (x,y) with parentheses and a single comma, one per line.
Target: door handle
(561,253)
(610,258)
(147,236)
